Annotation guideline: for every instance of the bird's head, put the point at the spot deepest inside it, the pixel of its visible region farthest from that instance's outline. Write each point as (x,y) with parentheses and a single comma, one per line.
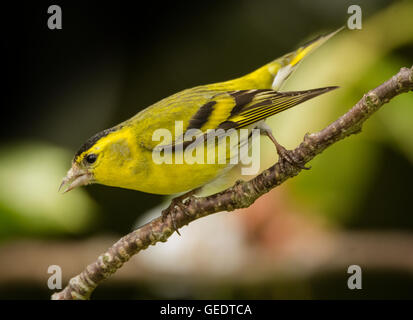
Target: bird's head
(102,159)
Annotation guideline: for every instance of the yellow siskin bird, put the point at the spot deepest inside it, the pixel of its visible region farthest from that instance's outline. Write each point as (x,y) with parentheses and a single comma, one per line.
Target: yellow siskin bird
(123,156)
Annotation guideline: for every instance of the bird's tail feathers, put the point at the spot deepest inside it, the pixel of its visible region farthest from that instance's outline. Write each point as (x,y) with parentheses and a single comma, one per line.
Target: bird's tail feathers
(274,74)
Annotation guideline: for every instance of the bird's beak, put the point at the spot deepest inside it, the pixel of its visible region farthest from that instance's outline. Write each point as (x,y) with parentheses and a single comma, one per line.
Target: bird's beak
(76,177)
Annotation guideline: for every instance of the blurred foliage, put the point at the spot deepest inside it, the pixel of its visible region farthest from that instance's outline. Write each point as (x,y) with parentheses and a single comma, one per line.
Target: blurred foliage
(357,61)
(29,201)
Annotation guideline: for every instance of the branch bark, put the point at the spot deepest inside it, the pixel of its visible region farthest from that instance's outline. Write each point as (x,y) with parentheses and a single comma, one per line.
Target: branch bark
(241,195)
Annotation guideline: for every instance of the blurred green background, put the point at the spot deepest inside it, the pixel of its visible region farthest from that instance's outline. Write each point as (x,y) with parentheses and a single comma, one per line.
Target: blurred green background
(111,60)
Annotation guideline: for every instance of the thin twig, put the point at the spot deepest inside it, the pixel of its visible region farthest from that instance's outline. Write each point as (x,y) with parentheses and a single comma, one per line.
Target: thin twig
(241,195)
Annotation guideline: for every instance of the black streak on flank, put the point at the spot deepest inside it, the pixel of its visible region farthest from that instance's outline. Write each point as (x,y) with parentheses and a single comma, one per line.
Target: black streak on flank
(92,140)
(202,116)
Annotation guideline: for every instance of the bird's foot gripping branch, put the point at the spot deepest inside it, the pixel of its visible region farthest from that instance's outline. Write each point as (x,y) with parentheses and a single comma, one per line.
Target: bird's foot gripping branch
(241,195)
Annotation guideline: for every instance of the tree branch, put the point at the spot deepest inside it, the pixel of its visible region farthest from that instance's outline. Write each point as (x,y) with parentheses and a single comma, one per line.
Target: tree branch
(241,195)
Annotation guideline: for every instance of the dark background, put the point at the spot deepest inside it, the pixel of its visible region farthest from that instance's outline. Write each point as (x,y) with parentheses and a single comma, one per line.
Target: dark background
(112,59)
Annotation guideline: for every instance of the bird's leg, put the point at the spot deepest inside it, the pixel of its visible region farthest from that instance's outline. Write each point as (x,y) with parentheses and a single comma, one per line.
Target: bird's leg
(177,202)
(283,154)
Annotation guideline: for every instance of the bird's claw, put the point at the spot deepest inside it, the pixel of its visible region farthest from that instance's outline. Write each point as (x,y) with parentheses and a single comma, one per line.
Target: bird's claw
(171,211)
(289,157)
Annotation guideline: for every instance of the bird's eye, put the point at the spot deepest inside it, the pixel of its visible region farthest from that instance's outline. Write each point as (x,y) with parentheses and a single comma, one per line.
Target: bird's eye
(91,158)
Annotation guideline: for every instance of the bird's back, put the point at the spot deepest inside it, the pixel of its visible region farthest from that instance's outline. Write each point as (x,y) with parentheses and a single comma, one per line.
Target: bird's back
(185,104)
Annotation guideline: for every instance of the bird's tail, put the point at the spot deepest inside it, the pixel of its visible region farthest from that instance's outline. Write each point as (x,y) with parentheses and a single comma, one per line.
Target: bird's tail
(274,74)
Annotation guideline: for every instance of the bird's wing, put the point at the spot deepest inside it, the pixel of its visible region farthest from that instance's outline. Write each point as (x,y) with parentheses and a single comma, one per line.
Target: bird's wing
(202,111)
(267,103)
